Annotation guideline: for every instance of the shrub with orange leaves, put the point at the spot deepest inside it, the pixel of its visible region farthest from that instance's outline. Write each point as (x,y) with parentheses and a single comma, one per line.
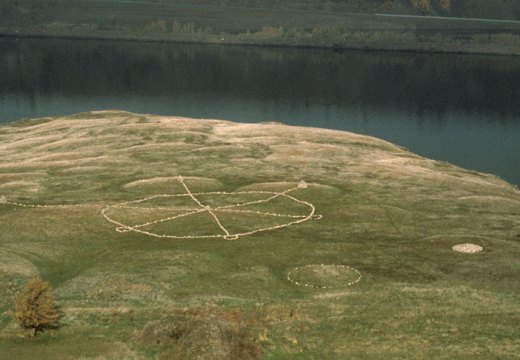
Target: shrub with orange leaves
(35,308)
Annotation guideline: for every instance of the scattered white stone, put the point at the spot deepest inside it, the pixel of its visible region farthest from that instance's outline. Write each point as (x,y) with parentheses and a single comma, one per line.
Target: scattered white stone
(331,271)
(467,248)
(302,185)
(3,200)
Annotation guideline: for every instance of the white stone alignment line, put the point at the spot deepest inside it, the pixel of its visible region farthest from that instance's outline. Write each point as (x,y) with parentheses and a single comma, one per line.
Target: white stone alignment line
(123,204)
(181,180)
(230,193)
(218,222)
(124,228)
(157,208)
(256,201)
(196,211)
(261,213)
(56,206)
(313,209)
(205,207)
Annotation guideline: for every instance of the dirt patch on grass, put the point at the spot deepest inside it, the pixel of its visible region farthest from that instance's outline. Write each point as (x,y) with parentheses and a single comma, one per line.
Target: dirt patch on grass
(115,289)
(35,165)
(266,140)
(248,131)
(62,156)
(30,186)
(495,203)
(335,294)
(303,153)
(84,169)
(169,146)
(29,142)
(21,176)
(117,350)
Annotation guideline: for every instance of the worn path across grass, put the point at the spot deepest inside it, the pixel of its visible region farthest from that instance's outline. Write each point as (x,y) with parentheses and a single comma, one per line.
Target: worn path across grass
(376,251)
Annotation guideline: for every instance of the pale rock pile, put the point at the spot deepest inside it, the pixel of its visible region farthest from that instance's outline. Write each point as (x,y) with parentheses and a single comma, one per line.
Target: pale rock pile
(467,248)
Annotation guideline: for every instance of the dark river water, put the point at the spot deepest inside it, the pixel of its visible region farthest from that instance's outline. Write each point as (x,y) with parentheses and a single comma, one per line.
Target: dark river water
(462,109)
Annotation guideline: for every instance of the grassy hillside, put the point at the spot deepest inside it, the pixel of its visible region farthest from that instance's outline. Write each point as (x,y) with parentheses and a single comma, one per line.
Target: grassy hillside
(170,237)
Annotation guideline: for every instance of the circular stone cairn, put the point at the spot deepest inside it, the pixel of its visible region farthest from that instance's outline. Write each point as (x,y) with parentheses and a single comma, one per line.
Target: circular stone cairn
(467,248)
(323,276)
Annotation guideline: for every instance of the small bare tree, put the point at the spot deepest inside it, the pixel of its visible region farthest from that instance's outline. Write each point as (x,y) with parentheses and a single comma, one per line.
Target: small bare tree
(35,308)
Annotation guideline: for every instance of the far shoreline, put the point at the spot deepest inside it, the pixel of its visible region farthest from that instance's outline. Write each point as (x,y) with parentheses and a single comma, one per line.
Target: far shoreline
(461,48)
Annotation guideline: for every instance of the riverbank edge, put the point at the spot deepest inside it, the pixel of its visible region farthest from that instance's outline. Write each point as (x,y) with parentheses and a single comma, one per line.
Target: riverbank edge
(460,47)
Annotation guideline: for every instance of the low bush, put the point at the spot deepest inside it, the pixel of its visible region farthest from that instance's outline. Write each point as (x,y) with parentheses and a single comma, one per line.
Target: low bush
(208,337)
(158,26)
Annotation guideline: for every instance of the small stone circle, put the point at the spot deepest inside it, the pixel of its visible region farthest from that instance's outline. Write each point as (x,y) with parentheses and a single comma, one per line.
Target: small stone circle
(467,248)
(322,276)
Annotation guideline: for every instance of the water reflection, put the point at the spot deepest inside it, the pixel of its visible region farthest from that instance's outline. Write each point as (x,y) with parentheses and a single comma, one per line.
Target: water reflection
(463,109)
